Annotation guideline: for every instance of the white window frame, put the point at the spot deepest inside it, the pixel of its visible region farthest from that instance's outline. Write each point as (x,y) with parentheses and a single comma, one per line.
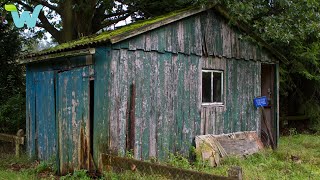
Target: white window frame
(222,87)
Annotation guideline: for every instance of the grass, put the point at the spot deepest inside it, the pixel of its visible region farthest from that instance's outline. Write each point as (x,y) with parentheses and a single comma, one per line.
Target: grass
(298,157)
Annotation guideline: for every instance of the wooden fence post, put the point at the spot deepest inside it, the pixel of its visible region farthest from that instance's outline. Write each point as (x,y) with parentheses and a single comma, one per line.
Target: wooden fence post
(235,172)
(19,140)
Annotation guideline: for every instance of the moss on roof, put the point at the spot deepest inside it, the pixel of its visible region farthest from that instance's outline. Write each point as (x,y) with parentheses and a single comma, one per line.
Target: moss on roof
(105,36)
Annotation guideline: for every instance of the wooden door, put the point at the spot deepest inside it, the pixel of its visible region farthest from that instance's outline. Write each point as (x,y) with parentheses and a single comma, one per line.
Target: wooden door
(73,118)
(267,89)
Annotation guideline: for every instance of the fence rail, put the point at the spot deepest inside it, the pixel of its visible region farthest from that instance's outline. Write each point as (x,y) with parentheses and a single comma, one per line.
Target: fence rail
(17,139)
(121,163)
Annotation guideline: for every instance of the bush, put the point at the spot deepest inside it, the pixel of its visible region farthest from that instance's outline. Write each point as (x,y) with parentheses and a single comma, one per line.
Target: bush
(12,114)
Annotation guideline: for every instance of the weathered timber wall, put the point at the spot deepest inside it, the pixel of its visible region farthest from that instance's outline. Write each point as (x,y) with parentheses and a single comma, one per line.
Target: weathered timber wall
(161,71)
(205,34)
(242,80)
(167,115)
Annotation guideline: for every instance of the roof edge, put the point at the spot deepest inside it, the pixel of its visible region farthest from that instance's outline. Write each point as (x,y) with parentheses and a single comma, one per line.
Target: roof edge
(149,27)
(244,28)
(81,52)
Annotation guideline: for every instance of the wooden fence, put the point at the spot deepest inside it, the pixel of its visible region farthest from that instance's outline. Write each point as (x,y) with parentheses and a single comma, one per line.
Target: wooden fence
(120,163)
(17,139)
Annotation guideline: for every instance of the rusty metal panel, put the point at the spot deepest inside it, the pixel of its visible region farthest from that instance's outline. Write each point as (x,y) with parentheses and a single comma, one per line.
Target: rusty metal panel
(45,115)
(73,116)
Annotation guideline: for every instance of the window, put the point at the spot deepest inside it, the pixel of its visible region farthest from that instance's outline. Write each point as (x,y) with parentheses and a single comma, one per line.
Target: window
(212,87)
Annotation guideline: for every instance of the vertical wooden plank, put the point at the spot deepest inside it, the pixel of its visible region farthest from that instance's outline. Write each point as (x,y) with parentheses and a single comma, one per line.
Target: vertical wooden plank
(148,41)
(167,102)
(195,115)
(114,138)
(161,33)
(171,90)
(276,90)
(187,26)
(30,111)
(161,108)
(186,113)
(155,40)
(168,37)
(146,107)
(180,95)
(131,90)
(210,33)
(153,104)
(199,96)
(181,37)
(45,116)
(123,100)
(73,115)
(138,107)
(197,45)
(218,35)
(227,42)
(101,122)
(174,38)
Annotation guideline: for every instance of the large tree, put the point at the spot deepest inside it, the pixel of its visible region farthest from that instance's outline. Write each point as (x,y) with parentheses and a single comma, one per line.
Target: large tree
(67,20)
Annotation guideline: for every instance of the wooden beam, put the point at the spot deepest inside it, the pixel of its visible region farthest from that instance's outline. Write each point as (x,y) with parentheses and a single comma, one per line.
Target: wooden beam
(121,163)
(82,52)
(18,140)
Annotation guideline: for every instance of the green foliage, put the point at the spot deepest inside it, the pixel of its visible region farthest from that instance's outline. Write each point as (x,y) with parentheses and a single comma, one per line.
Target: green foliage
(12,100)
(78,174)
(12,114)
(177,160)
(291,27)
(131,175)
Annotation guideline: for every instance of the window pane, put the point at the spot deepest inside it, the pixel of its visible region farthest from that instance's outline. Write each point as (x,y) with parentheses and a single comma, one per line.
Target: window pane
(217,77)
(206,87)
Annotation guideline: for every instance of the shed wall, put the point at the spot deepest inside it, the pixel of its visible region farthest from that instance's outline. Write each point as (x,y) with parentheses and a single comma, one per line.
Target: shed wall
(165,67)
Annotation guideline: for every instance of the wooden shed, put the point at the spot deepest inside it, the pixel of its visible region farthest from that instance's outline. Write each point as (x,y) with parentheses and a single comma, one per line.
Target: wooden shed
(149,88)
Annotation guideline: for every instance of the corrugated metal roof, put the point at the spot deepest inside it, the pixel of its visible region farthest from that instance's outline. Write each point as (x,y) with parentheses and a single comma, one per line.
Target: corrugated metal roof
(124,32)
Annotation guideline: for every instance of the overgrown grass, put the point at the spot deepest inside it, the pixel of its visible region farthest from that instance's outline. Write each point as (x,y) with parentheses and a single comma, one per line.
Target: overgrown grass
(298,157)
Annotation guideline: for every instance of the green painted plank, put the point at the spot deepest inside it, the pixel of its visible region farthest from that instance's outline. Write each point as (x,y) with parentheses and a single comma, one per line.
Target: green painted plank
(146,108)
(153,105)
(180,95)
(161,108)
(187,35)
(218,37)
(114,101)
(123,100)
(139,68)
(102,107)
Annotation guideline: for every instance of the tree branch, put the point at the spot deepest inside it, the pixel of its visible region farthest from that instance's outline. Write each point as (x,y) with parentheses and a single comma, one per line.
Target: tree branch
(49,27)
(44,22)
(109,22)
(44,3)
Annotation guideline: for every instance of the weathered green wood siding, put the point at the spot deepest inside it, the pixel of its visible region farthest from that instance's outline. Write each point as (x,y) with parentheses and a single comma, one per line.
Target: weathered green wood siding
(242,83)
(166,113)
(165,66)
(205,34)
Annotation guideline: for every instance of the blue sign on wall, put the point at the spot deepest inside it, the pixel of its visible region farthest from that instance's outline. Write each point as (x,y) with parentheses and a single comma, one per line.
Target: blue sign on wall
(260,101)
